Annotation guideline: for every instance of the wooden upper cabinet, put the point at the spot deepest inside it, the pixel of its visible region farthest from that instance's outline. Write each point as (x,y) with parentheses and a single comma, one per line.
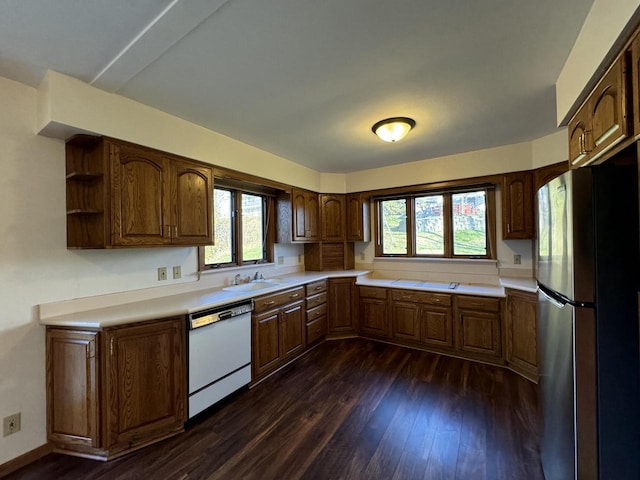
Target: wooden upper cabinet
(140,212)
(304,216)
(358,228)
(635,83)
(124,195)
(517,206)
(332,217)
(602,122)
(191,194)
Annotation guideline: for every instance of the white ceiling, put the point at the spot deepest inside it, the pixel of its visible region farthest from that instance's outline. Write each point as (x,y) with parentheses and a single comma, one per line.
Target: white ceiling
(306,79)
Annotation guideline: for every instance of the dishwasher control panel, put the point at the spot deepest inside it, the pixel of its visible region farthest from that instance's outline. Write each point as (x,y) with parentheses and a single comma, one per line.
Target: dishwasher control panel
(213,315)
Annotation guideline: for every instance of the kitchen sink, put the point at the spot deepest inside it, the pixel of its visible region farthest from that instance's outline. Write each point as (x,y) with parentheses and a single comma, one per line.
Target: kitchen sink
(252,286)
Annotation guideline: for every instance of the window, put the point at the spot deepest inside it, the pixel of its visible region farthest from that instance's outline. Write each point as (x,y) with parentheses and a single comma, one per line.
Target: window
(440,224)
(241,229)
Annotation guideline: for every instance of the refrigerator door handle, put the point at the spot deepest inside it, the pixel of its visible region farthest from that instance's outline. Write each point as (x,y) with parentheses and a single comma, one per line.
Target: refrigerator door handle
(550,299)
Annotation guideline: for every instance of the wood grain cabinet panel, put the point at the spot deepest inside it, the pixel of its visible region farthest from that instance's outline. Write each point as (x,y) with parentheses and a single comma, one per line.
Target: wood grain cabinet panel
(358,227)
(342,312)
(124,195)
(479,327)
(436,327)
(406,321)
(332,217)
(72,388)
(374,312)
(116,390)
(266,342)
(603,121)
(521,331)
(278,330)
(517,206)
(298,216)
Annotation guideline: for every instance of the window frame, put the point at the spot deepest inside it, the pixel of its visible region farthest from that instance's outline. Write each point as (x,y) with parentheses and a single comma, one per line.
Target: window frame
(411,234)
(268,209)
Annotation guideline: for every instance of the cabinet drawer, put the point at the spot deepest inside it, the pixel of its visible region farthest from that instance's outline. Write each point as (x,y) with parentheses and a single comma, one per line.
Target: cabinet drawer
(316,300)
(316,329)
(487,304)
(316,312)
(373,292)
(421,297)
(316,287)
(274,301)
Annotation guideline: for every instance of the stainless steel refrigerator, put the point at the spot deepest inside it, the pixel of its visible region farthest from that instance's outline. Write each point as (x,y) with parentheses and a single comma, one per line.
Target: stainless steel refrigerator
(587,272)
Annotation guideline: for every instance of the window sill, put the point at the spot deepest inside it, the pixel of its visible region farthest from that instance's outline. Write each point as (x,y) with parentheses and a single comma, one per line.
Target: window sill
(475,261)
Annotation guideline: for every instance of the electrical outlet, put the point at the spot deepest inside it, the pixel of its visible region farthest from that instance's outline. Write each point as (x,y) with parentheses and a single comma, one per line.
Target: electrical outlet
(177,272)
(517,259)
(162,273)
(11,424)
(280,260)
(299,258)
(362,256)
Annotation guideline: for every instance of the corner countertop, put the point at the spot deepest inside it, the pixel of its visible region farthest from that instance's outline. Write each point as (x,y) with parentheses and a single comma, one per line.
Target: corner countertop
(181,304)
(524,284)
(185,303)
(460,289)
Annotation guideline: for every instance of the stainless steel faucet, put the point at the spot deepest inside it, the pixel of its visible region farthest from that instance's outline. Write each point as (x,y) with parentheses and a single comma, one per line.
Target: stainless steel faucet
(236,279)
(258,276)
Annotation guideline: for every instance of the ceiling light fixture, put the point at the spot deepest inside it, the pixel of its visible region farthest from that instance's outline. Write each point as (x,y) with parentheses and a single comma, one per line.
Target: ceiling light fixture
(393,129)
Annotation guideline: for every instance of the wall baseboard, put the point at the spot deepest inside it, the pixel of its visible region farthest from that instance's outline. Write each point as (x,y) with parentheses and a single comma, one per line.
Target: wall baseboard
(25,459)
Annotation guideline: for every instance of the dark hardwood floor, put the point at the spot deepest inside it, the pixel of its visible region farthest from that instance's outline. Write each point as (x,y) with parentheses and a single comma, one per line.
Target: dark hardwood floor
(350,409)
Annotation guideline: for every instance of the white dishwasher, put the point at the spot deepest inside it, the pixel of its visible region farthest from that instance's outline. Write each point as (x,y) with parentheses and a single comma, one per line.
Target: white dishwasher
(219,346)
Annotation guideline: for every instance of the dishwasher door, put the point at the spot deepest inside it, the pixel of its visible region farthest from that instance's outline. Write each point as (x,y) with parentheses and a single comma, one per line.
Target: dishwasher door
(219,361)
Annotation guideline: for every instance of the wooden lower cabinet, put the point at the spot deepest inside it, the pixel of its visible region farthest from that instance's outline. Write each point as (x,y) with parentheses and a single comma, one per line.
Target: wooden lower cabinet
(342,307)
(112,391)
(422,317)
(278,330)
(316,317)
(374,312)
(521,332)
(479,332)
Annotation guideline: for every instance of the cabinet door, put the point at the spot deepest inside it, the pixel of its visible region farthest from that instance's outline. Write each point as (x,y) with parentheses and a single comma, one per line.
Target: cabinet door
(144,381)
(608,110)
(292,329)
(373,317)
(436,326)
(299,207)
(72,376)
(522,351)
(578,128)
(406,321)
(479,333)
(341,310)
(192,199)
(266,342)
(358,229)
(517,205)
(140,207)
(332,214)
(312,217)
(635,74)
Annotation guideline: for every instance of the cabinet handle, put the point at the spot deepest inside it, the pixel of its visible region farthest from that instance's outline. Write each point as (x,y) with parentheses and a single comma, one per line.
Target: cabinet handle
(508,228)
(319,287)
(295,295)
(436,300)
(91,349)
(175,231)
(270,303)
(111,346)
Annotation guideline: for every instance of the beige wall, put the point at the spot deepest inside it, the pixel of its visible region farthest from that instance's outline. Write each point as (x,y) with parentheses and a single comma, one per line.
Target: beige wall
(599,35)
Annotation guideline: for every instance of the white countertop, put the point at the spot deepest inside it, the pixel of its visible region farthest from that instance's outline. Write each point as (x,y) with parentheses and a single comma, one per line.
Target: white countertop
(525,284)
(461,289)
(181,304)
(197,300)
